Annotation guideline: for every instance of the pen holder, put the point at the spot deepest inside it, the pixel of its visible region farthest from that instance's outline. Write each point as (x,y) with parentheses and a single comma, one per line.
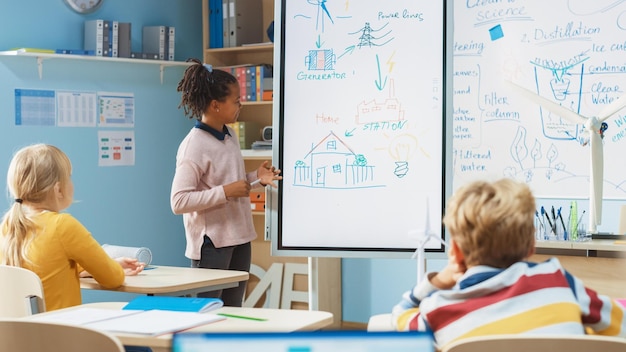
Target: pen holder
(582,233)
(142,254)
(560,232)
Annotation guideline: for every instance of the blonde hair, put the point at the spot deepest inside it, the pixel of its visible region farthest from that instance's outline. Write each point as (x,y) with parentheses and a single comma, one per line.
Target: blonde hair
(492,223)
(32,175)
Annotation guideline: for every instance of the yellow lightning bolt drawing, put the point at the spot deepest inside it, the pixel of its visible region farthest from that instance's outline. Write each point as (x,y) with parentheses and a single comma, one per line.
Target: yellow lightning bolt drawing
(390,62)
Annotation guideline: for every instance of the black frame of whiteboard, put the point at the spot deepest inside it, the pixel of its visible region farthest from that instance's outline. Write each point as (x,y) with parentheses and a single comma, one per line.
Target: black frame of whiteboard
(274,214)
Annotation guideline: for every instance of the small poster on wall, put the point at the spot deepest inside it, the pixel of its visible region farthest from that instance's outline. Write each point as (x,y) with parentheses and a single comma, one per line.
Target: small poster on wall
(116,148)
(116,109)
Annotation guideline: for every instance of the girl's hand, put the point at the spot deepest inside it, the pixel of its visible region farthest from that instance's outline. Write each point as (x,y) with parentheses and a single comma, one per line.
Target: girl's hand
(131,266)
(239,188)
(268,174)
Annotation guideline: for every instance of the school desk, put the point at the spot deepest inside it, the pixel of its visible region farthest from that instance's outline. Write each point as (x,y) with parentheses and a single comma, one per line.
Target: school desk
(275,320)
(174,281)
(600,264)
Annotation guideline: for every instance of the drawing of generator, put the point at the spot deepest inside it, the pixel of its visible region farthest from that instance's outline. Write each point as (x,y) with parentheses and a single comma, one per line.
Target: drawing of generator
(320,60)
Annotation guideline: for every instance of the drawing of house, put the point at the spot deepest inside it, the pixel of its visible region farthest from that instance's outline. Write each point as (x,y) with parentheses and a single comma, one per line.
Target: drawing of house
(331,163)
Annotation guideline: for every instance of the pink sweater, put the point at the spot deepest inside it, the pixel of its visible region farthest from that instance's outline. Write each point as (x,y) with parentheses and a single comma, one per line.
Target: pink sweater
(203,165)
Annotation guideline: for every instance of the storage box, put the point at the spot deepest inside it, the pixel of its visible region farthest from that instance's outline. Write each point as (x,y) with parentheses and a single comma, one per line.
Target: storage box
(257,206)
(257,196)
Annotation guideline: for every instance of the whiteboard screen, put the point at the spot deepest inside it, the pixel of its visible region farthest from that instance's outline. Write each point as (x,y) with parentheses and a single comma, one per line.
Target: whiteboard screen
(361,129)
(572,52)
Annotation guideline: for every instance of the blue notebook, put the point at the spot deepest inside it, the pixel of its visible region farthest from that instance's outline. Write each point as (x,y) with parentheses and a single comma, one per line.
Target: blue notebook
(180,304)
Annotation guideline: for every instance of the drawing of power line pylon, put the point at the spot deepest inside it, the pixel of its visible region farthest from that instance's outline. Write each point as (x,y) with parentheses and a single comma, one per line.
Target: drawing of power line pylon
(368,39)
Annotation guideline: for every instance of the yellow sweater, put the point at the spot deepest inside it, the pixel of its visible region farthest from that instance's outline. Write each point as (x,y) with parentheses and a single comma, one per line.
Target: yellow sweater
(60,252)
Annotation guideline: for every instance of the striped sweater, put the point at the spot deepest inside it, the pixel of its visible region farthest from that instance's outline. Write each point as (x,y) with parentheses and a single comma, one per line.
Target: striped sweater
(530,298)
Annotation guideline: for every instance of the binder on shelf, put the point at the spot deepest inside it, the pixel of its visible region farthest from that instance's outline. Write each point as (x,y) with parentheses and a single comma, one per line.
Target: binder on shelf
(245,22)
(225,24)
(124,39)
(154,40)
(210,26)
(216,24)
(114,38)
(251,83)
(179,304)
(171,43)
(240,74)
(96,36)
(264,81)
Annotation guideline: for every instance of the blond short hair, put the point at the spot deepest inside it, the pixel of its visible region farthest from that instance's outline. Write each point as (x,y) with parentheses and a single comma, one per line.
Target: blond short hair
(492,222)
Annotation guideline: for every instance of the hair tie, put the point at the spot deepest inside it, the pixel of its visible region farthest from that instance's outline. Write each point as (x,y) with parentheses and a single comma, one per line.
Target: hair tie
(208,67)
(18,200)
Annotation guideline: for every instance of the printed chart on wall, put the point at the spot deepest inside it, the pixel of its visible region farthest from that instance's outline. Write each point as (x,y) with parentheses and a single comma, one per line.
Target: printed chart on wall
(571,52)
(361,130)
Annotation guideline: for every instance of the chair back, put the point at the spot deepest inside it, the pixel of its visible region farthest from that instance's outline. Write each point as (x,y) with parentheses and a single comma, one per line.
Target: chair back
(36,336)
(21,294)
(538,343)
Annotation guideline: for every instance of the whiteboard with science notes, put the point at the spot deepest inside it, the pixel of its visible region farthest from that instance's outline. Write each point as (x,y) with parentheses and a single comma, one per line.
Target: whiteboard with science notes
(359,127)
(572,52)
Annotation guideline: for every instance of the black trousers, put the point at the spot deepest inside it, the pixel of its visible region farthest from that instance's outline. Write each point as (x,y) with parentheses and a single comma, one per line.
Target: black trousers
(228,258)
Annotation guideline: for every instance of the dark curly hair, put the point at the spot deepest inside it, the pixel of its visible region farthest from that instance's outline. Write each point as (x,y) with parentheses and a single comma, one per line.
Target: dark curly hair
(201,86)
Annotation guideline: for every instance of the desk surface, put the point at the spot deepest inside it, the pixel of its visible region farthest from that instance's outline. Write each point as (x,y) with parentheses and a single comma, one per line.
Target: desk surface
(174,280)
(598,245)
(278,320)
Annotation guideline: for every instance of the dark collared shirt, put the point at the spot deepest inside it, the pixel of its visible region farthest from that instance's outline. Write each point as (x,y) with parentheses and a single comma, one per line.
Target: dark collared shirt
(217,134)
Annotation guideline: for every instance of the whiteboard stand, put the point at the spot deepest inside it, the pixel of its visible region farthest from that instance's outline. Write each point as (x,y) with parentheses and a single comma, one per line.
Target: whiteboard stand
(325,287)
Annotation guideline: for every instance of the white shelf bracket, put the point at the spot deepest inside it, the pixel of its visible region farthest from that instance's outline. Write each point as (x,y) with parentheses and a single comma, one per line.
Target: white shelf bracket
(40,66)
(161,69)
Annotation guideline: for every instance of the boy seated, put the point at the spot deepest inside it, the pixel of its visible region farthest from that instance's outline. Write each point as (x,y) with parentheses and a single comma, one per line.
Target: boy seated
(487,286)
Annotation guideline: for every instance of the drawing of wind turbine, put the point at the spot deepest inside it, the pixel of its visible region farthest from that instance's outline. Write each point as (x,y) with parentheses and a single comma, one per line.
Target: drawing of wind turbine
(595,126)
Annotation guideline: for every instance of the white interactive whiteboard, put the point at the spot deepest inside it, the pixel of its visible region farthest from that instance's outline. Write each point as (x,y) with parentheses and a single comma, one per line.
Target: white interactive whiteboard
(572,52)
(360,127)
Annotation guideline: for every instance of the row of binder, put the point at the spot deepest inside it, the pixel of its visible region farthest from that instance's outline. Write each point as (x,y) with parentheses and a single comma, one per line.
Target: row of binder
(113,39)
(235,22)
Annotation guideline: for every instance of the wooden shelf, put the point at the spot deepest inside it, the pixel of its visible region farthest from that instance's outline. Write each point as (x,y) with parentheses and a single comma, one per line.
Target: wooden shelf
(41,57)
(251,154)
(258,103)
(252,54)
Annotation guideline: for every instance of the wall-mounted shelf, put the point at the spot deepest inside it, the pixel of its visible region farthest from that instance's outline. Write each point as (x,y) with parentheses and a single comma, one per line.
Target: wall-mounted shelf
(40,57)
